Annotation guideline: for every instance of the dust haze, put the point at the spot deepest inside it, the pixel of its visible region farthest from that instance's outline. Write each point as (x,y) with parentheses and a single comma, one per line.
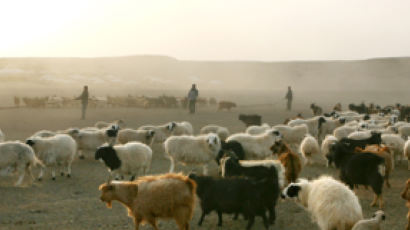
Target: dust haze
(382,81)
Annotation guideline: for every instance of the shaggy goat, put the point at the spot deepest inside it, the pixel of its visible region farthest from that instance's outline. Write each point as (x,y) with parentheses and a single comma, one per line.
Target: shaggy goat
(152,197)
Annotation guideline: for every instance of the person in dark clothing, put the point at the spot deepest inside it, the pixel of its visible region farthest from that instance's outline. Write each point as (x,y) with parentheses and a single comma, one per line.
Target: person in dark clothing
(84,101)
(192,96)
(289,97)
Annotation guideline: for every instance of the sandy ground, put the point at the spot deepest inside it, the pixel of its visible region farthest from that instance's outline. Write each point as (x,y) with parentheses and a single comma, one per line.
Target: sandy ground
(73,203)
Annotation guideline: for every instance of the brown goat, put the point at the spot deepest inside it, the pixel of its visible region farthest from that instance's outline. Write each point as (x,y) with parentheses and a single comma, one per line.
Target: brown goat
(226,105)
(338,107)
(406,196)
(383,152)
(289,160)
(151,197)
(298,116)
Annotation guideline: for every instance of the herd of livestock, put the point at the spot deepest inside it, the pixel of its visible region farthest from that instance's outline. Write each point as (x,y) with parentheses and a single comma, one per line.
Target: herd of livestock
(129,101)
(256,167)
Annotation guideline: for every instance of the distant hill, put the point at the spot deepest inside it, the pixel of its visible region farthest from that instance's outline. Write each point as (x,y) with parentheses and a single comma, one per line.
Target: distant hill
(161,72)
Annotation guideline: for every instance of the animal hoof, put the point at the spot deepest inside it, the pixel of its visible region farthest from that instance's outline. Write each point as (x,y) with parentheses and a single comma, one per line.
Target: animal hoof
(82,157)
(53,178)
(68,175)
(40,179)
(62,174)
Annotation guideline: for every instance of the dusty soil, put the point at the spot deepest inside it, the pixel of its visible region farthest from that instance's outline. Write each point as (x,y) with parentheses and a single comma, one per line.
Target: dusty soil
(73,203)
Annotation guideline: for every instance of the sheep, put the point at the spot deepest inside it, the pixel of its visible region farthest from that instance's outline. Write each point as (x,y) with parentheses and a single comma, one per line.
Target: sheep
(396,146)
(383,152)
(289,160)
(326,143)
(44,133)
(226,105)
(232,195)
(257,129)
(332,204)
(231,147)
(257,147)
(17,157)
(293,135)
(143,136)
(132,158)
(329,126)
(406,153)
(162,132)
(404,131)
(309,148)
(152,197)
(250,119)
(89,140)
(239,166)
(359,135)
(314,124)
(222,132)
(371,224)
(55,151)
(192,150)
(232,167)
(103,124)
(353,173)
(316,109)
(405,194)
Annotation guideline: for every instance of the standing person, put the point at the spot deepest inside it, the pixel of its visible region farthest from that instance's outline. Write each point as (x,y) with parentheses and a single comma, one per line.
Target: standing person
(84,101)
(192,96)
(289,97)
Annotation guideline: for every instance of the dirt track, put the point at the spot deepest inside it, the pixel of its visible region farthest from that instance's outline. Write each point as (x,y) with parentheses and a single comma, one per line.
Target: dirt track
(73,203)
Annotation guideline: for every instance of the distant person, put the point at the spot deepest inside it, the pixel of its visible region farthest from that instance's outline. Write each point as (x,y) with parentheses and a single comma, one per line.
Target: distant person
(289,97)
(84,101)
(192,96)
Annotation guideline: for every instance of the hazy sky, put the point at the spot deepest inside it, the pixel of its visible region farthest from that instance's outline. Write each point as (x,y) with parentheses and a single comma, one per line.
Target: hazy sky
(207,29)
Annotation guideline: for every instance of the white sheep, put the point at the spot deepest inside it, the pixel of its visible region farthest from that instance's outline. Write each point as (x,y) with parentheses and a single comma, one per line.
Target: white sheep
(181,128)
(162,132)
(44,133)
(293,136)
(192,150)
(325,148)
(143,136)
(406,152)
(329,126)
(2,136)
(360,135)
(343,131)
(257,129)
(222,132)
(267,163)
(104,124)
(396,146)
(312,124)
(404,131)
(372,223)
(17,157)
(309,148)
(55,151)
(133,158)
(257,147)
(89,140)
(331,203)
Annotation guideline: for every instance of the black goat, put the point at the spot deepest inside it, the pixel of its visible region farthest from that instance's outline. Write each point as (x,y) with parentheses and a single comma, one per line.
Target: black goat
(360,169)
(231,195)
(230,147)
